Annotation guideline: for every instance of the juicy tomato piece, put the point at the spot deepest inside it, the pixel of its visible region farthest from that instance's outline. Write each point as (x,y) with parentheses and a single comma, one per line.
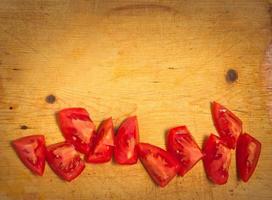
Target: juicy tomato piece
(77,128)
(216,160)
(125,142)
(31,151)
(227,124)
(247,155)
(183,147)
(160,164)
(103,143)
(64,160)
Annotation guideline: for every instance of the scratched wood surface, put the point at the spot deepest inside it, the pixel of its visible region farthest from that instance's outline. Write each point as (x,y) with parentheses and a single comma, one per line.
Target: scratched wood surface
(163,61)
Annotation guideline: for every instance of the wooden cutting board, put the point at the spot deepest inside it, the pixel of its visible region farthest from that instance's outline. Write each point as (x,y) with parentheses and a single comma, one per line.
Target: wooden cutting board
(163,61)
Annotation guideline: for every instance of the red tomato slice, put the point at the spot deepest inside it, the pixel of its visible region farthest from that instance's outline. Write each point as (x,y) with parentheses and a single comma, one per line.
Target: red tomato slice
(183,147)
(64,160)
(77,128)
(103,144)
(247,155)
(216,160)
(125,142)
(160,164)
(227,124)
(31,151)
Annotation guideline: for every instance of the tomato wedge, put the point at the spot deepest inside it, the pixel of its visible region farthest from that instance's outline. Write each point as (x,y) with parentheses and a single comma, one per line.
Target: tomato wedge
(227,124)
(216,160)
(31,151)
(183,147)
(77,128)
(160,164)
(125,142)
(64,160)
(247,155)
(103,143)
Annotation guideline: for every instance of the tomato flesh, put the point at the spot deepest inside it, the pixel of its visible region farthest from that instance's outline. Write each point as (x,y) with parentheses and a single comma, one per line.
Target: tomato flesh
(102,149)
(77,128)
(216,160)
(228,125)
(31,151)
(247,155)
(183,147)
(125,142)
(64,160)
(160,164)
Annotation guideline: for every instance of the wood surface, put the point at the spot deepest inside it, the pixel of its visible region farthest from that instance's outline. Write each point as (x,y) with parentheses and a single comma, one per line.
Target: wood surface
(163,61)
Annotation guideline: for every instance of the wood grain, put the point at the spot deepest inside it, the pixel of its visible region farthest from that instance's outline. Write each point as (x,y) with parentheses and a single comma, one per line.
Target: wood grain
(163,61)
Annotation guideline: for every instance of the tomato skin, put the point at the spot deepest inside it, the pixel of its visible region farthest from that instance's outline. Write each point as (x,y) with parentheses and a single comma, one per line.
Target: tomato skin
(34,146)
(127,138)
(217,157)
(77,128)
(160,164)
(247,155)
(183,147)
(102,149)
(64,160)
(228,125)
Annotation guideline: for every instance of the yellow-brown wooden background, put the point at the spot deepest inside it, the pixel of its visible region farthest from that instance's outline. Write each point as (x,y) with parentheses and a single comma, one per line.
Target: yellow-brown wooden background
(163,61)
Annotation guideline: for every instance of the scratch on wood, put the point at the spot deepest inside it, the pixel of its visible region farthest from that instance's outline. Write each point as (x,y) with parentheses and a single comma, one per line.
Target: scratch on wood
(240,111)
(122,117)
(222,52)
(20,41)
(269,10)
(144,7)
(228,49)
(267,72)
(95,5)
(24,43)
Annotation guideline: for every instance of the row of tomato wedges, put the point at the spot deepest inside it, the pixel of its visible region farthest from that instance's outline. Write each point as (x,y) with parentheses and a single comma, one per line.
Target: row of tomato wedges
(162,165)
